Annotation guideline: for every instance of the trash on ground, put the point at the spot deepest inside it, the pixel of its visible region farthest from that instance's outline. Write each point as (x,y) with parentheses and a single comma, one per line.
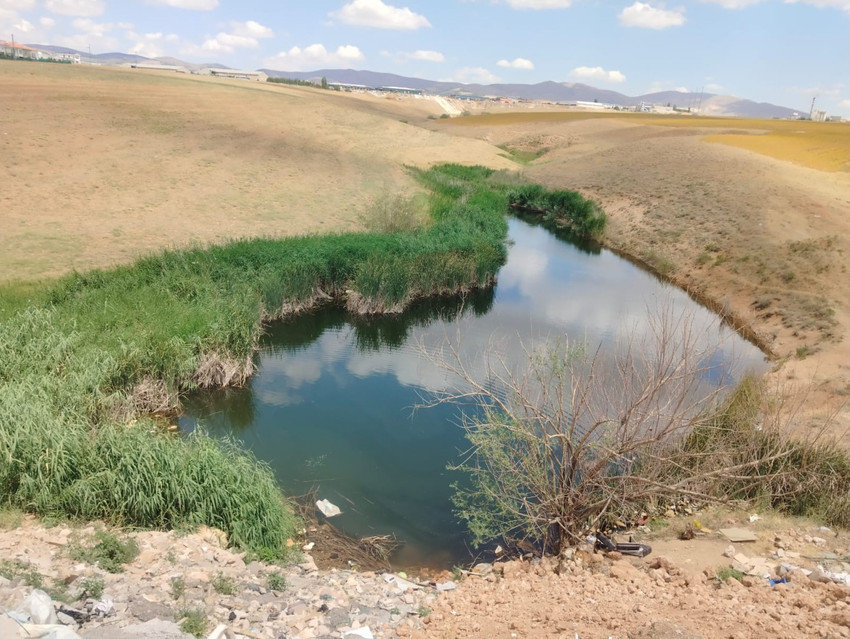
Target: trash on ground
(626,548)
(308,547)
(327,508)
(737,535)
(446,586)
(364,633)
(401,583)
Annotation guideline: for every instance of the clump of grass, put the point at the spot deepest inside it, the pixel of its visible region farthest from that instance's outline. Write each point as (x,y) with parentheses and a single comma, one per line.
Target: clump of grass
(727,572)
(92,587)
(16,569)
(276,581)
(109,551)
(193,621)
(560,208)
(396,213)
(178,587)
(223,584)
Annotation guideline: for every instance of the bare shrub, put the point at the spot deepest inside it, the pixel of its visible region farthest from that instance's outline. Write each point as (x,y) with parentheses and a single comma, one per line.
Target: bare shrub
(218,371)
(153,396)
(578,436)
(394,213)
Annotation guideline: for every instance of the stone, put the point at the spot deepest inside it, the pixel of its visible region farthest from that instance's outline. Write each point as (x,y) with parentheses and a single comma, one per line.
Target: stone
(145,610)
(482,569)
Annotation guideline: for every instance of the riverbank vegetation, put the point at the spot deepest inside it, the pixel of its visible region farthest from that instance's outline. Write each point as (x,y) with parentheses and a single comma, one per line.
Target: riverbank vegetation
(580,439)
(85,359)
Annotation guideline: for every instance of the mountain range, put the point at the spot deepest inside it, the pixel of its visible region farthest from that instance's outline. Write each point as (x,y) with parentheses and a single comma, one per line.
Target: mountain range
(705,103)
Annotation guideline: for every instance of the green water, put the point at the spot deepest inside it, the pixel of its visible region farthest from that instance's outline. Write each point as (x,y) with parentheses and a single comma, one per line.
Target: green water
(335,405)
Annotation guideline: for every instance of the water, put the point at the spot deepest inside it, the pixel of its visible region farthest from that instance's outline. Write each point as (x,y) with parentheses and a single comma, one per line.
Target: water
(333,406)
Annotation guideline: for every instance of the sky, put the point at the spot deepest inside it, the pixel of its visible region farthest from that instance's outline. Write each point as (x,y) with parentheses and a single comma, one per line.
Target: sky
(780,51)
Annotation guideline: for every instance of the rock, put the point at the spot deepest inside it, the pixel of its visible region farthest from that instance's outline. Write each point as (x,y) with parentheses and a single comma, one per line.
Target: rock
(39,606)
(338,617)
(153,629)
(482,569)
(145,610)
(729,552)
(65,619)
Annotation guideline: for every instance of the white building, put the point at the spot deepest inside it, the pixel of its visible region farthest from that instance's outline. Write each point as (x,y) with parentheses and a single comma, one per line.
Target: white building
(256,76)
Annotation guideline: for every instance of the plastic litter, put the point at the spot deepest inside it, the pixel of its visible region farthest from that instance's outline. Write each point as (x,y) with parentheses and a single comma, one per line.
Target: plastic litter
(39,605)
(626,548)
(400,583)
(364,633)
(327,508)
(774,582)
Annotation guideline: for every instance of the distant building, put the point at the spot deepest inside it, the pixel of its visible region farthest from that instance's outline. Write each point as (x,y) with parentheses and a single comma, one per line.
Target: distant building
(18,51)
(151,66)
(583,104)
(819,116)
(406,90)
(256,76)
(345,86)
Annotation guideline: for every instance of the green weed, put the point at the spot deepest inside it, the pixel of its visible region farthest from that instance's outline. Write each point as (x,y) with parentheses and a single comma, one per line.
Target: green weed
(276,581)
(193,621)
(92,587)
(223,584)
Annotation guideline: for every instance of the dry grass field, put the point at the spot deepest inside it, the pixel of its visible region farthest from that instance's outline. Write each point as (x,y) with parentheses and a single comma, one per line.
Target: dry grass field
(101,165)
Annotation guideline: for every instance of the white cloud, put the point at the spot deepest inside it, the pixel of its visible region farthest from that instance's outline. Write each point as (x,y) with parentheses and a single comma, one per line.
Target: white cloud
(374,13)
(251,29)
(313,57)
(646,16)
(539,4)
(844,104)
(150,44)
(516,63)
(733,4)
(197,5)
(24,26)
(821,4)
(426,56)
(474,75)
(598,74)
(47,23)
(92,28)
(83,8)
(17,5)
(229,42)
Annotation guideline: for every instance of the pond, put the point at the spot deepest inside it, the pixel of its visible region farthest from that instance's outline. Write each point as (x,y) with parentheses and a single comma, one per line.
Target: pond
(336,403)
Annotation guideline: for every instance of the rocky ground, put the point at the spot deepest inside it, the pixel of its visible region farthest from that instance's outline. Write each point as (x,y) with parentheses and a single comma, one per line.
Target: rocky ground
(193,582)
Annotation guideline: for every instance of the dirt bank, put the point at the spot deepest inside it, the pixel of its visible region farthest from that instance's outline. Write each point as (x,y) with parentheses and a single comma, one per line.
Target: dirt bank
(764,240)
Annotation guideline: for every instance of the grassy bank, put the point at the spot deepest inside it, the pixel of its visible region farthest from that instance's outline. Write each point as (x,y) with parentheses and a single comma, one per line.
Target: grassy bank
(85,358)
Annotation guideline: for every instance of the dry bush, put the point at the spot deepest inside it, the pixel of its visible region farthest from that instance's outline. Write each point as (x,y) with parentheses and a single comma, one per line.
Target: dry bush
(395,213)
(579,436)
(217,371)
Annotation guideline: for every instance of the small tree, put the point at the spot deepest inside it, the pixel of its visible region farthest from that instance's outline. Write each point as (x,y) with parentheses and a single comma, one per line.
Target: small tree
(324,82)
(579,435)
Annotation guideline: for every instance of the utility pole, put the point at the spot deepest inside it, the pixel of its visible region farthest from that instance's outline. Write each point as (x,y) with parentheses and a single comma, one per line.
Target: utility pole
(812,110)
(699,106)
(14,50)
(89,54)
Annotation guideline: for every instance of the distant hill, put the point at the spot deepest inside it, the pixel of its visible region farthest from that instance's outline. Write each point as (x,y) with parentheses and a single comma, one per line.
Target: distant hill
(708,103)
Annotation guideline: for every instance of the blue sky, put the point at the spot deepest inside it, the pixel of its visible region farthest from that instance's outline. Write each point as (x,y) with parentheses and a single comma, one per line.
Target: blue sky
(780,51)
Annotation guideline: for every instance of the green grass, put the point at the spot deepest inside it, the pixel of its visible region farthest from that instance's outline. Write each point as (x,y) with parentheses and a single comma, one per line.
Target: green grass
(84,359)
(108,550)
